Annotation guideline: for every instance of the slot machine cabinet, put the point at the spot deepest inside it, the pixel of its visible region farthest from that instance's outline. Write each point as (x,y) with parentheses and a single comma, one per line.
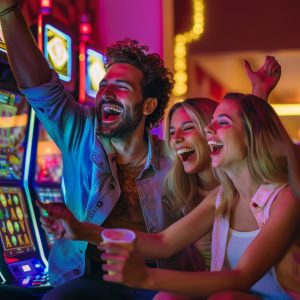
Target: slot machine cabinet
(22,262)
(37,173)
(46,178)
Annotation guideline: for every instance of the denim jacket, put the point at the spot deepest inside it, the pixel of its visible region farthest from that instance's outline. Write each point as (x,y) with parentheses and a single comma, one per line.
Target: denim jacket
(90,172)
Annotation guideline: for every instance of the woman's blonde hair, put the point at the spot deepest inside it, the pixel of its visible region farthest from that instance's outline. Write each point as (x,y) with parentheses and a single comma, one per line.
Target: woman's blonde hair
(181,190)
(262,127)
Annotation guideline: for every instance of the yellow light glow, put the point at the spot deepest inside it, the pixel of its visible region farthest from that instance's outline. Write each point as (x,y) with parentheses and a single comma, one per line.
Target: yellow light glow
(180,51)
(58,52)
(13,121)
(180,76)
(180,89)
(180,38)
(287,109)
(81,57)
(180,48)
(47,147)
(180,65)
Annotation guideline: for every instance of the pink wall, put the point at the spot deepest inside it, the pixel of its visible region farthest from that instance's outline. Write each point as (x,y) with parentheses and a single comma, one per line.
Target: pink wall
(141,20)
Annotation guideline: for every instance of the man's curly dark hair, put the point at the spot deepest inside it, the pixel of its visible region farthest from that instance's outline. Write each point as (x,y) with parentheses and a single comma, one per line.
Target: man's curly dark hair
(158,80)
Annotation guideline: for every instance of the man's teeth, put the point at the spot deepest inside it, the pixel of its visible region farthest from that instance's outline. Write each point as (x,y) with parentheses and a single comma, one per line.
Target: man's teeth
(108,108)
(184,150)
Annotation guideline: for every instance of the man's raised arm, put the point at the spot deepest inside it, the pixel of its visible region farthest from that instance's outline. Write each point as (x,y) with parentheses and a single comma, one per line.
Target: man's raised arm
(28,64)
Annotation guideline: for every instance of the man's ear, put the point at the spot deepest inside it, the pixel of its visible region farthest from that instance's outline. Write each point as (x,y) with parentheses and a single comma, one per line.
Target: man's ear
(149,106)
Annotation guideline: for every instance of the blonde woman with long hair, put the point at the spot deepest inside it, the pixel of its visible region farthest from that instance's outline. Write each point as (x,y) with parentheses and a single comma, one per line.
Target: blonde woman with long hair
(191,177)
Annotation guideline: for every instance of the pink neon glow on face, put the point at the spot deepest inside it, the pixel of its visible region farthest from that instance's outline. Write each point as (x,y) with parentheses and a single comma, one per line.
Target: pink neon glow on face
(225,136)
(119,100)
(188,142)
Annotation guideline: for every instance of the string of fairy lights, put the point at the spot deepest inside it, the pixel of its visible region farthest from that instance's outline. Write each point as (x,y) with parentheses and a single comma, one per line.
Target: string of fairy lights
(180,49)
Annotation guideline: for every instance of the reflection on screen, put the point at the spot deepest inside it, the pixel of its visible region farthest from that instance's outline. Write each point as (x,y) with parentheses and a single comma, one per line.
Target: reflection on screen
(95,71)
(16,237)
(48,160)
(13,124)
(58,51)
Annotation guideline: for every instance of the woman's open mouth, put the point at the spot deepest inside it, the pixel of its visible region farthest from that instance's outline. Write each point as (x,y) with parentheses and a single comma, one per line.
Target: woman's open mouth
(215,147)
(185,153)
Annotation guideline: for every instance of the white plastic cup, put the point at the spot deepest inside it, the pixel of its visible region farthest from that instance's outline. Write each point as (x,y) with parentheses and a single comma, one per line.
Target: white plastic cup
(124,237)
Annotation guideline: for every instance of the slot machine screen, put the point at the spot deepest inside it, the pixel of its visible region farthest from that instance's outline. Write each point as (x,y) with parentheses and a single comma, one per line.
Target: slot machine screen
(48,173)
(58,51)
(16,236)
(13,125)
(48,160)
(94,71)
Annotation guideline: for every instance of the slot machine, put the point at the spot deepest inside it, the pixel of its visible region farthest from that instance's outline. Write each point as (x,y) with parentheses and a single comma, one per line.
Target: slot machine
(46,184)
(30,166)
(22,259)
(47,177)
(22,262)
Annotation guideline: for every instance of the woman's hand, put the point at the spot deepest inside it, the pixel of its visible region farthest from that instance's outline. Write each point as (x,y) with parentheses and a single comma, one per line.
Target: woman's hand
(265,79)
(123,265)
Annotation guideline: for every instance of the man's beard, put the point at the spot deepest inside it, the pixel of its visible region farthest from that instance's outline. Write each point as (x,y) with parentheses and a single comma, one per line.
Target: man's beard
(130,121)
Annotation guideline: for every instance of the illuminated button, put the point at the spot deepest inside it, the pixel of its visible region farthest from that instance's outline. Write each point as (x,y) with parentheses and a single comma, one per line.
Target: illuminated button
(25,281)
(26,268)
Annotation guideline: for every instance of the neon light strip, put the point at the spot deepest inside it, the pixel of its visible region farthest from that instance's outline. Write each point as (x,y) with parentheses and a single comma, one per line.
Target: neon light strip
(82,72)
(26,187)
(287,109)
(3,280)
(40,32)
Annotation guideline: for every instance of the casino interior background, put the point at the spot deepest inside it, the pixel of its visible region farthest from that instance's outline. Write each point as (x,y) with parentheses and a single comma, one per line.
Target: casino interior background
(230,31)
(202,42)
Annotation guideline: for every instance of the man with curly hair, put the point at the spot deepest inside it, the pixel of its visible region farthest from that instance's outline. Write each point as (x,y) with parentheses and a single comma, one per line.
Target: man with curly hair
(113,168)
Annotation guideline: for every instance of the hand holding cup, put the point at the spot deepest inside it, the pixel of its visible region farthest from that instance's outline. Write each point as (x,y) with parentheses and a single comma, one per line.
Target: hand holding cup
(119,236)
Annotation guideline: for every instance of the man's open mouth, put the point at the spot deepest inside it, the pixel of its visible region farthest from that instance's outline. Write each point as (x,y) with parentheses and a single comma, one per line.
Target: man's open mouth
(110,112)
